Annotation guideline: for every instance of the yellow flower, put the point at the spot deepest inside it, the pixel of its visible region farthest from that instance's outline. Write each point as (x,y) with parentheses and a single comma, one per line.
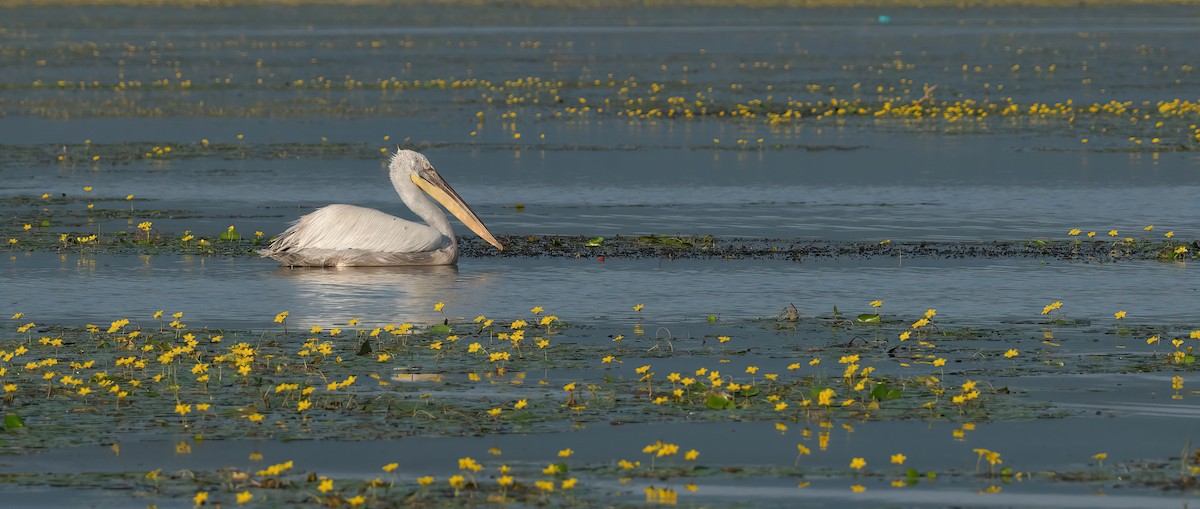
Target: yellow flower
(565,453)
(244,497)
(905,335)
(569,387)
(858,463)
(899,458)
(1074,232)
(1119,315)
(426,481)
(200,498)
(536,310)
(1012,352)
(303,405)
(390,467)
(356,500)
(802,450)
(691,455)
(569,483)
(495,411)
(639,307)
(521,404)
(1169,234)
(1091,234)
(1051,307)
(325,486)
(876,303)
(1100,456)
(858,488)
(439,306)
(825,397)
(723,339)
(469,463)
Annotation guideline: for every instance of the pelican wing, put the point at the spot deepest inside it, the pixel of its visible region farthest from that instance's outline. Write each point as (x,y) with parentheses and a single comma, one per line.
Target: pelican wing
(351,228)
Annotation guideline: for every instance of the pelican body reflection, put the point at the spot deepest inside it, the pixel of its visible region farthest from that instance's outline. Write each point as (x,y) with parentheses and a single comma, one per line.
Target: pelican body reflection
(383,294)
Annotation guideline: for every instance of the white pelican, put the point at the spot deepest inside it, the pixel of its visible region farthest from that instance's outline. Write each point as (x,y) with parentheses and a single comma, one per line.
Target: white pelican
(346,235)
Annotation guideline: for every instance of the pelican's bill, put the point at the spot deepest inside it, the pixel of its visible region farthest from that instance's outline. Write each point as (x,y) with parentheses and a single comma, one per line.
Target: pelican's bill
(436,187)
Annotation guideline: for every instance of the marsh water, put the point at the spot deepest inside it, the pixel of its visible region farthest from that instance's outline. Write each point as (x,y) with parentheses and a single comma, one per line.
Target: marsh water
(287,109)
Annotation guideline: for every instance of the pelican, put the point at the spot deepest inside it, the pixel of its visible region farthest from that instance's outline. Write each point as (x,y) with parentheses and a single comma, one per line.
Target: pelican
(345,235)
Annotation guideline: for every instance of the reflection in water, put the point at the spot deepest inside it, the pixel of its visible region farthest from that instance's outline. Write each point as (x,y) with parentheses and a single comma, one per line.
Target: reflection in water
(336,294)
(416,377)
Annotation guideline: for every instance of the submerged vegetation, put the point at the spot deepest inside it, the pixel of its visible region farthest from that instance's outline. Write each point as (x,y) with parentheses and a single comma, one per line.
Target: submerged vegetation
(1088,87)
(160,376)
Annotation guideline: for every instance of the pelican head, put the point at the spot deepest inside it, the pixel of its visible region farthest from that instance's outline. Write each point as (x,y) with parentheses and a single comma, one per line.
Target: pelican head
(408,167)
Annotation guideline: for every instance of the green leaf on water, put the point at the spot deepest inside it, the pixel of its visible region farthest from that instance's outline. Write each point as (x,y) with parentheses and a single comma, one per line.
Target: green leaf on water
(867,318)
(521,417)
(882,392)
(45,223)
(718,402)
(230,235)
(1187,359)
(595,241)
(13,421)
(712,318)
(440,328)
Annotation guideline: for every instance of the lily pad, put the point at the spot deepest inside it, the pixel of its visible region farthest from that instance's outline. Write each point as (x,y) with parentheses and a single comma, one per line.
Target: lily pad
(867,318)
(717,401)
(13,421)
